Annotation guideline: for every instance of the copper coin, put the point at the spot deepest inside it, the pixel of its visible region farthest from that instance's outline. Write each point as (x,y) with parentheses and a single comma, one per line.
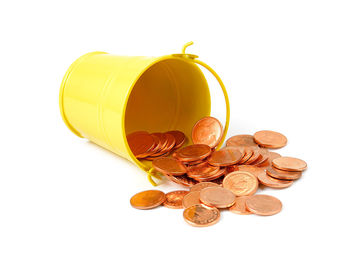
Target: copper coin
(179,136)
(162,146)
(169,165)
(190,199)
(268,162)
(182,180)
(212,176)
(173,200)
(147,199)
(208,131)
(170,143)
(241,183)
(269,181)
(241,140)
(248,152)
(202,185)
(264,205)
(248,168)
(193,152)
(217,197)
(225,157)
(282,174)
(151,158)
(270,139)
(202,170)
(157,144)
(140,144)
(274,155)
(239,206)
(289,163)
(255,156)
(201,216)
(163,140)
(265,156)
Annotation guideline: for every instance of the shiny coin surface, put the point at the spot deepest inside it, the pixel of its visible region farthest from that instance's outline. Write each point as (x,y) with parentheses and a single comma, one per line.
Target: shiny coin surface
(202,185)
(248,152)
(239,206)
(271,182)
(147,199)
(264,205)
(254,157)
(193,152)
(181,179)
(207,130)
(282,174)
(270,139)
(163,142)
(268,162)
(289,163)
(169,165)
(248,168)
(190,199)
(174,199)
(225,157)
(241,183)
(241,140)
(179,136)
(141,144)
(171,141)
(217,197)
(201,216)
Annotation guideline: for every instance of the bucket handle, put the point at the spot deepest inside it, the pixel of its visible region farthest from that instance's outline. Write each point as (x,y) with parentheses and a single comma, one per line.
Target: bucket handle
(192,58)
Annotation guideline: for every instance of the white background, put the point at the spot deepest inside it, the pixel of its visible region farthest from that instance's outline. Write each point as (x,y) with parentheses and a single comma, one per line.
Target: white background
(286,66)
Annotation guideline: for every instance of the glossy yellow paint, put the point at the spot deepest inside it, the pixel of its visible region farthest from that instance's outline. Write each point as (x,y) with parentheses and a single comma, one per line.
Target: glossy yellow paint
(104,97)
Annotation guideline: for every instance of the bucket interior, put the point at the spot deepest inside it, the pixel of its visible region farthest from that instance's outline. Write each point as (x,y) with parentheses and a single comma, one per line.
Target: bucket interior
(172,94)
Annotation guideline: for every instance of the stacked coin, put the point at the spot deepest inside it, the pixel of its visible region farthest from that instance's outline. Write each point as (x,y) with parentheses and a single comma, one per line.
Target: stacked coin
(224,178)
(152,146)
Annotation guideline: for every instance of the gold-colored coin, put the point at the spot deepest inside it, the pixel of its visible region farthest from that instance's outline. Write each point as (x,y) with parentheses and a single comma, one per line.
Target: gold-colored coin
(147,199)
(201,216)
(241,183)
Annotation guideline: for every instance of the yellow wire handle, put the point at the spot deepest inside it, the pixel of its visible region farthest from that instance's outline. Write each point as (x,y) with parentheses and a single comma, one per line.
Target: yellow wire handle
(223,88)
(151,172)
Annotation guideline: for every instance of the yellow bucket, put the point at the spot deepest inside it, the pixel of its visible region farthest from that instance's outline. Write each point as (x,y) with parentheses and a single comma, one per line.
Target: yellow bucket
(104,97)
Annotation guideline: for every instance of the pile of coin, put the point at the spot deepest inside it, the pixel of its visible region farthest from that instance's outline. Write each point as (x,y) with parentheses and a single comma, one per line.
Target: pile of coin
(152,146)
(222,178)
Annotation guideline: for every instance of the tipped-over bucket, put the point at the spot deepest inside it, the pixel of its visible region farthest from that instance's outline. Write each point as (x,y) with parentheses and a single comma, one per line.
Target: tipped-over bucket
(104,97)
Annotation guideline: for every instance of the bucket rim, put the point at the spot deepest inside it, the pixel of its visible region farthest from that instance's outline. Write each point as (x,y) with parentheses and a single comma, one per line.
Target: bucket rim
(155,61)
